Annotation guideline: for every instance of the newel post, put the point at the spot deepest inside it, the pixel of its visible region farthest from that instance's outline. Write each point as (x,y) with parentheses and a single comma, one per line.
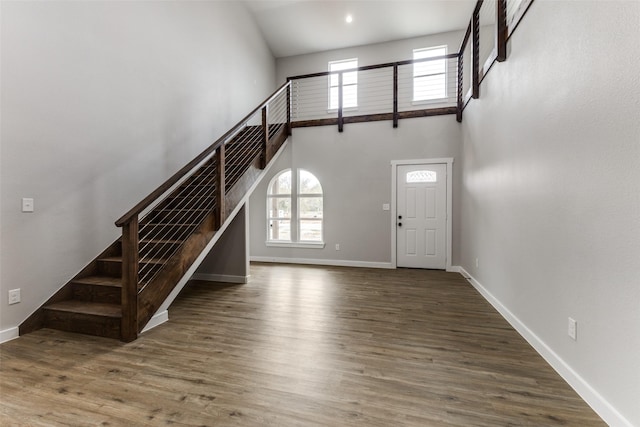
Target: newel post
(502,30)
(475,52)
(264,159)
(129,322)
(289,108)
(460,84)
(220,187)
(395,96)
(340,103)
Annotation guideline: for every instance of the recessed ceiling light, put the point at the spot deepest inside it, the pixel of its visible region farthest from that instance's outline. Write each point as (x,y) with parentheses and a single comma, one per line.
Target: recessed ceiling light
(349,19)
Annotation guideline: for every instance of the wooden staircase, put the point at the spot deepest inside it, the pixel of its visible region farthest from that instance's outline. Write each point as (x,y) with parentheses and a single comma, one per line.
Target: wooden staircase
(170,236)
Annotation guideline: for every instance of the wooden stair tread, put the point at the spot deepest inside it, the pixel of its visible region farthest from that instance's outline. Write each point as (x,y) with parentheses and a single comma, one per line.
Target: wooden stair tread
(100,281)
(84,307)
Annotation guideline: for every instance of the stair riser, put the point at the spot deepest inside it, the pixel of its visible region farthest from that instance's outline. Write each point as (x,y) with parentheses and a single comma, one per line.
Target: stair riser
(167,231)
(97,293)
(179,202)
(82,323)
(158,250)
(175,216)
(110,268)
(238,157)
(114,269)
(203,177)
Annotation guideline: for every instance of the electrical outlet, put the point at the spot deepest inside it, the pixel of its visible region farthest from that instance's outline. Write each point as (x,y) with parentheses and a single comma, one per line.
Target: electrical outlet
(572,329)
(385,206)
(27,204)
(337,246)
(477,263)
(14,296)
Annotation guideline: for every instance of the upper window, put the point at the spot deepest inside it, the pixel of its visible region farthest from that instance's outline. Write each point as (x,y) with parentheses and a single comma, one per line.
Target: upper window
(430,77)
(349,84)
(294,216)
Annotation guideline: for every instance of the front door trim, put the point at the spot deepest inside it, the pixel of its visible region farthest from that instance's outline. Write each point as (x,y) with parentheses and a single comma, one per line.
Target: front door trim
(394,235)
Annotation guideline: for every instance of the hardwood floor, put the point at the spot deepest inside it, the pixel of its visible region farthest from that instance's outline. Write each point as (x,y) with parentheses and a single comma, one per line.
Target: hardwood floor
(297,346)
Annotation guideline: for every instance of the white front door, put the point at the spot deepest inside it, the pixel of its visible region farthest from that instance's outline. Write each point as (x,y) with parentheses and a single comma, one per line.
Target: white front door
(421,220)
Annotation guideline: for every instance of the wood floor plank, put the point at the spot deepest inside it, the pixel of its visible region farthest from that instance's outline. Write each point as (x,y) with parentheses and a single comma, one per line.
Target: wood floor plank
(297,346)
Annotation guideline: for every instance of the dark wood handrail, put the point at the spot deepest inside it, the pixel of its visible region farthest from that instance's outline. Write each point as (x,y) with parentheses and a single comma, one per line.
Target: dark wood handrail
(374,67)
(154,195)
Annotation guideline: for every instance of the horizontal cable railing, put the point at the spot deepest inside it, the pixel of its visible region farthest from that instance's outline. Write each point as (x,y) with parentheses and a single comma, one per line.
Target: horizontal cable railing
(165,228)
(466,70)
(378,92)
(487,22)
(157,228)
(277,115)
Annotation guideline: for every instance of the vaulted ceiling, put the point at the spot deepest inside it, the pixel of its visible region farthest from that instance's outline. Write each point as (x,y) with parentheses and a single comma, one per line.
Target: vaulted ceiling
(294,27)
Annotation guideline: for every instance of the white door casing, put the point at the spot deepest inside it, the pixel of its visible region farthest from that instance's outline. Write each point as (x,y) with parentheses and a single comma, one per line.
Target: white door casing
(421,214)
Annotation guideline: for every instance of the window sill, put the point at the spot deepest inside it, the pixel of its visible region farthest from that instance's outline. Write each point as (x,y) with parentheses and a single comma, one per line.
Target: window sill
(300,245)
(431,101)
(344,110)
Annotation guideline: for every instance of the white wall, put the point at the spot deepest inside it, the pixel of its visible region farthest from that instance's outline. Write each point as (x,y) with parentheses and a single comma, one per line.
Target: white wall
(551,192)
(228,260)
(354,168)
(380,53)
(101,102)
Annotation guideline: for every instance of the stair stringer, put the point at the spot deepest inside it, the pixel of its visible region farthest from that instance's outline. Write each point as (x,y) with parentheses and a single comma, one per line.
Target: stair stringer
(161,314)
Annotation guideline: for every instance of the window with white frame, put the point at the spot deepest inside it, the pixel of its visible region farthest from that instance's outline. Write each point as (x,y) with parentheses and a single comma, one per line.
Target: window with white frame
(294,208)
(430,77)
(349,84)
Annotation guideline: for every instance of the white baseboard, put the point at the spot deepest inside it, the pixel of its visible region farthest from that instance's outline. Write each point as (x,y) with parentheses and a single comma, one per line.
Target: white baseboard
(330,262)
(158,319)
(454,269)
(599,404)
(9,334)
(226,278)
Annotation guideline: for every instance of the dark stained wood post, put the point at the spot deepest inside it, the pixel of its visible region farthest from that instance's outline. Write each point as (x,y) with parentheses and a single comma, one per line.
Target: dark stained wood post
(340,118)
(220,187)
(395,96)
(461,69)
(475,51)
(288,107)
(129,321)
(264,160)
(460,85)
(502,30)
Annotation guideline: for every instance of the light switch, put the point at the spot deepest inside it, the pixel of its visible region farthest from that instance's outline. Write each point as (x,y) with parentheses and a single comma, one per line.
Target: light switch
(385,207)
(27,205)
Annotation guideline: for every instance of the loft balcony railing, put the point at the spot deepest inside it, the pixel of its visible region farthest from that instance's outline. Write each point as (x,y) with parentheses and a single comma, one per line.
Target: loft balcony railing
(411,88)
(391,91)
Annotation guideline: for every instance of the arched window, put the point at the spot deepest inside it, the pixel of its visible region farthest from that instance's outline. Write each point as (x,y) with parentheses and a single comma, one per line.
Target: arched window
(294,208)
